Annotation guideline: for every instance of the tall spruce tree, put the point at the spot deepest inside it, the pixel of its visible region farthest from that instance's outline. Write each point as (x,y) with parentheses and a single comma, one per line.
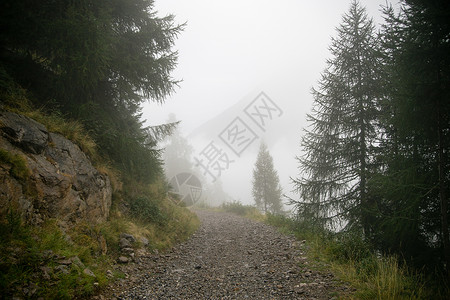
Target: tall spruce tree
(339,144)
(96,61)
(266,184)
(413,190)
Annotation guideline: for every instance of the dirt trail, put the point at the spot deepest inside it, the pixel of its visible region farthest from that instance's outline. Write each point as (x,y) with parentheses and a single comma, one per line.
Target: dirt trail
(229,257)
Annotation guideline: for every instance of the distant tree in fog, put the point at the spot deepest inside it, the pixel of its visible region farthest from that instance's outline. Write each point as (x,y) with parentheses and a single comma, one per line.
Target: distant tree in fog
(215,194)
(177,153)
(266,184)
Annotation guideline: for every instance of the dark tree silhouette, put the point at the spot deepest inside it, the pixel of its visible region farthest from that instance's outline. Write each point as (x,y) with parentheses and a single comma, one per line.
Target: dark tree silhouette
(95,61)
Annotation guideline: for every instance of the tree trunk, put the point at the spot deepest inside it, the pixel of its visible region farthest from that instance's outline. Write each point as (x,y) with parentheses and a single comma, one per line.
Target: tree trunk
(363,203)
(442,167)
(443,198)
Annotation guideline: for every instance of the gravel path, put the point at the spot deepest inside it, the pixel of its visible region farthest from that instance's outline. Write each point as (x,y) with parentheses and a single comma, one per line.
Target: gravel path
(229,257)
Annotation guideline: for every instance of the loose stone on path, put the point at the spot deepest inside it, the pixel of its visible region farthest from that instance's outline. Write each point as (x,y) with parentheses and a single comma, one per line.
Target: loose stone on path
(231,257)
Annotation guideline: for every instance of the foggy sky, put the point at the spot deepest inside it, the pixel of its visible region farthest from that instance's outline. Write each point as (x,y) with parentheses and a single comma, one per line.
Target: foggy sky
(232,50)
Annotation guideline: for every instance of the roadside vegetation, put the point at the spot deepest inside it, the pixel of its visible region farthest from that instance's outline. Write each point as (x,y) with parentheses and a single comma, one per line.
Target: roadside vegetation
(32,255)
(248,211)
(352,260)
(72,75)
(374,165)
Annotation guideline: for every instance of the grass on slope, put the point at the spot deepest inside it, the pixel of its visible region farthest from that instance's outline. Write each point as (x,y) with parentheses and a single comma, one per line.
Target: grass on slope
(373,276)
(31,256)
(34,260)
(352,260)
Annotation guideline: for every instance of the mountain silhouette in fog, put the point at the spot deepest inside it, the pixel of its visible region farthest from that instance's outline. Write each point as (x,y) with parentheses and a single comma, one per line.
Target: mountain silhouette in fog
(258,112)
(271,115)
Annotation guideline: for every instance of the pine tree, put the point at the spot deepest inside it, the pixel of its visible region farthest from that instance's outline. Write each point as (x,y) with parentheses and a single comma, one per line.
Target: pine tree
(339,144)
(177,153)
(413,190)
(266,184)
(96,61)
(107,52)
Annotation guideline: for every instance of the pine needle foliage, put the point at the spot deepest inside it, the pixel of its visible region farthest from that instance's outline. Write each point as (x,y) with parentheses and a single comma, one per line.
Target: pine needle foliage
(340,141)
(96,61)
(413,189)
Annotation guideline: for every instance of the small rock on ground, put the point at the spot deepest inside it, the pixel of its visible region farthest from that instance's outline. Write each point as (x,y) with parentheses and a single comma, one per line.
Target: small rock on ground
(229,257)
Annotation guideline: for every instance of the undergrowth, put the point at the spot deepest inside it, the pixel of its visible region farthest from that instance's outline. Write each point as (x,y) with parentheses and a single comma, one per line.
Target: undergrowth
(25,249)
(159,220)
(30,256)
(247,211)
(15,99)
(351,259)
(18,169)
(70,129)
(18,165)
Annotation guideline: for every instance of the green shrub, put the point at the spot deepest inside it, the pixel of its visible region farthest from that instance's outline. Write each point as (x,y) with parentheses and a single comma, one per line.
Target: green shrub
(352,260)
(238,208)
(349,246)
(281,221)
(247,211)
(147,210)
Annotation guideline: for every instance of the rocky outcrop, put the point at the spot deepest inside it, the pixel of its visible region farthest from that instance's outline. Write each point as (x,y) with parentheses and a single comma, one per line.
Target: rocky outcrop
(63,183)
